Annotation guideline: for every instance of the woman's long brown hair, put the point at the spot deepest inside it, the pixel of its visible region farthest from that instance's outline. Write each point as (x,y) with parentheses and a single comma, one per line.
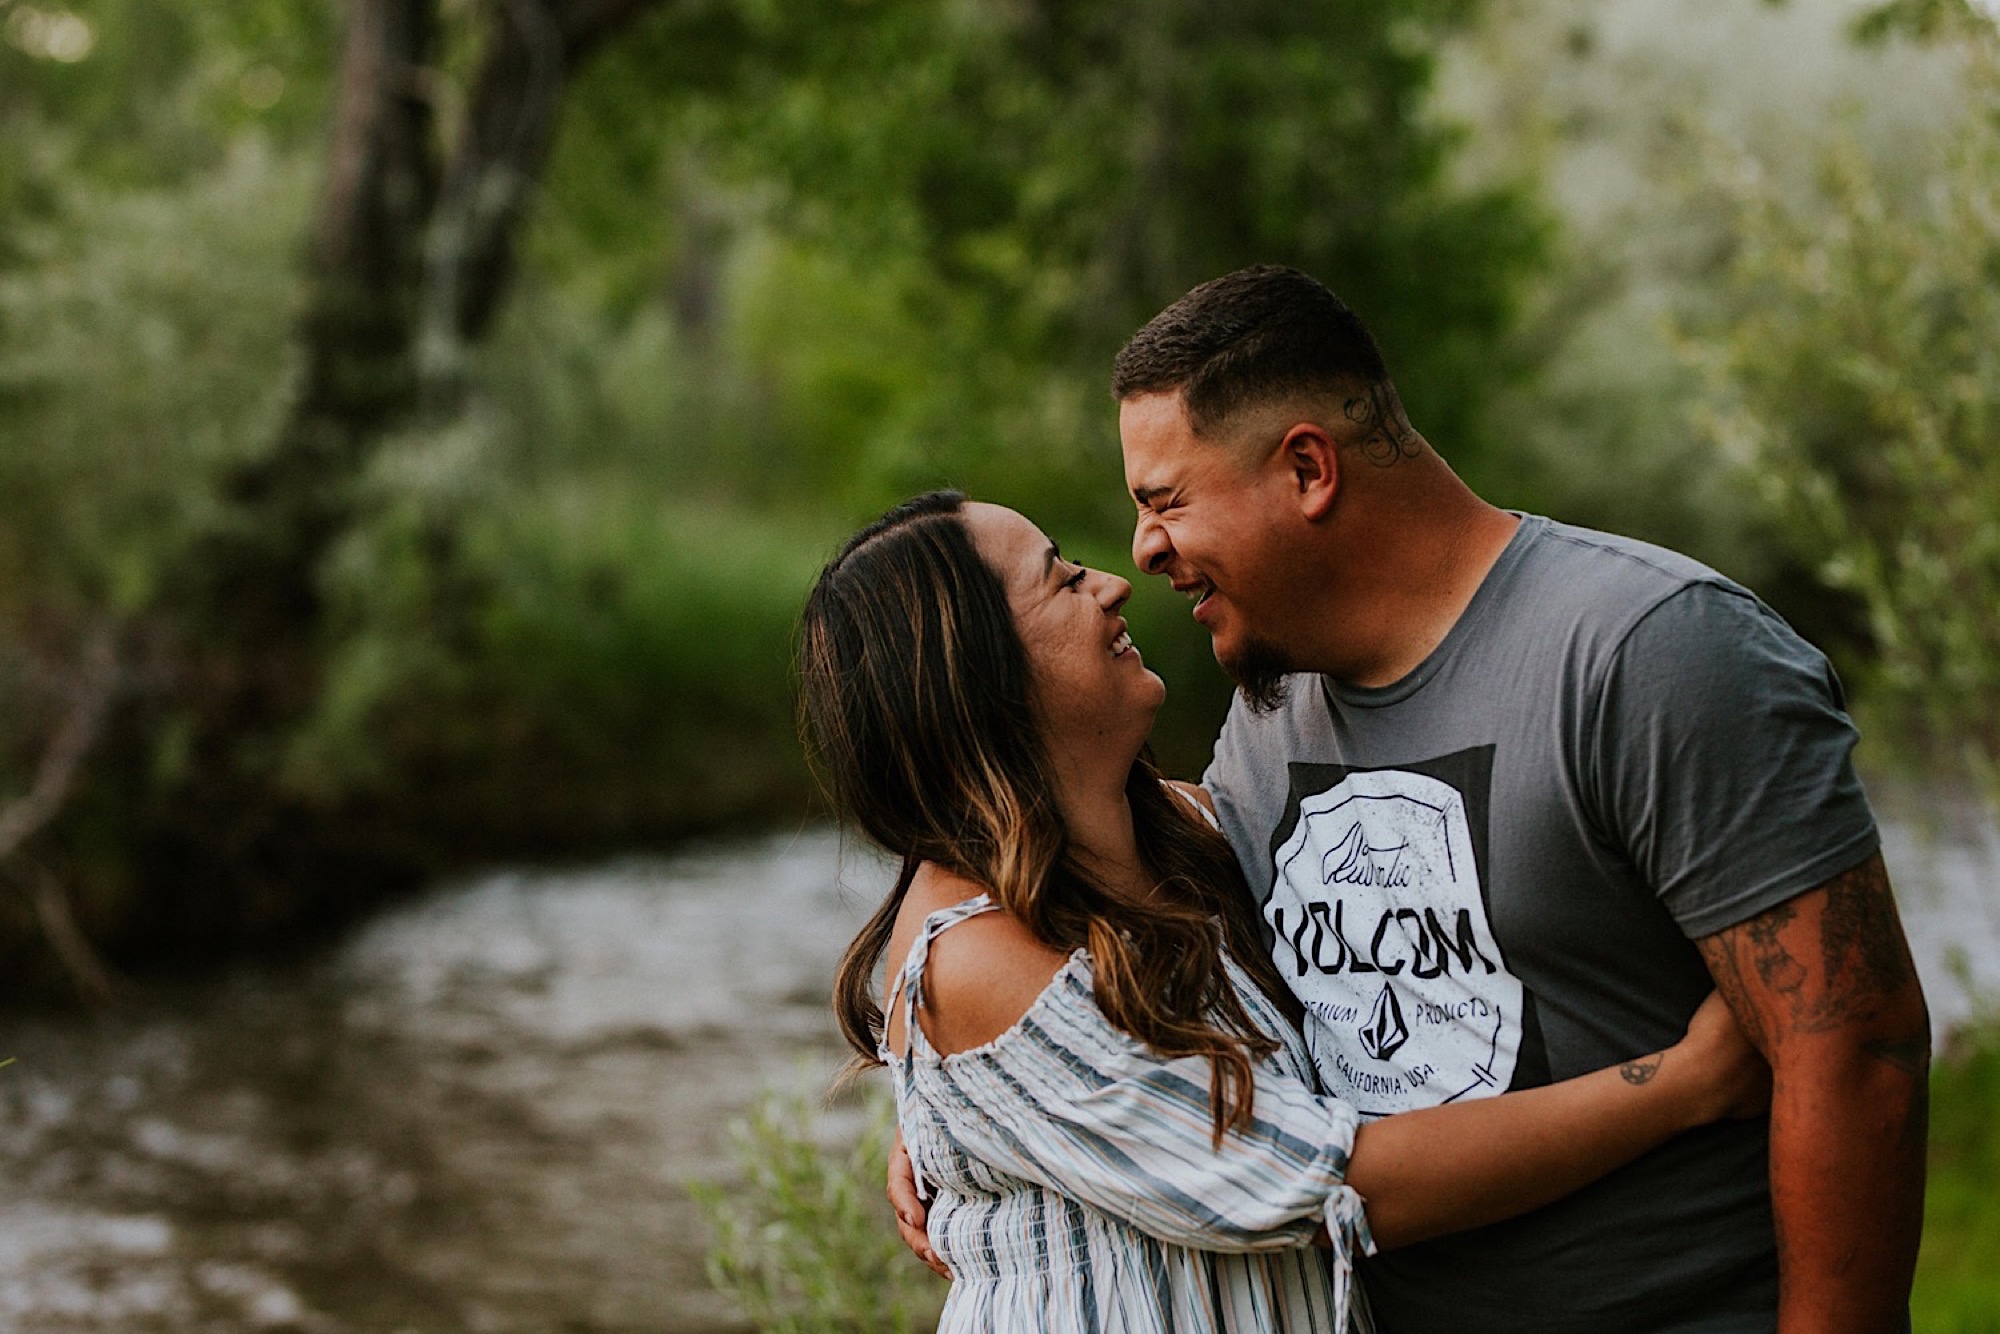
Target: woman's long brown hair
(915,706)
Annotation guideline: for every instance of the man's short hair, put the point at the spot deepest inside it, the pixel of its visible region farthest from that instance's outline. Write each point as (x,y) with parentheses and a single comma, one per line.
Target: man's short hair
(1248,337)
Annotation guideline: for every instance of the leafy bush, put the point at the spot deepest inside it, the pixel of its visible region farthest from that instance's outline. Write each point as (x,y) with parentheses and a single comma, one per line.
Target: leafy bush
(807,1245)
(597,658)
(1854,374)
(136,360)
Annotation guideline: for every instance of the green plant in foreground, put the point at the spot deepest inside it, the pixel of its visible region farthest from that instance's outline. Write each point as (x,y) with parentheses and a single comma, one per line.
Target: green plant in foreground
(806,1244)
(1958,1289)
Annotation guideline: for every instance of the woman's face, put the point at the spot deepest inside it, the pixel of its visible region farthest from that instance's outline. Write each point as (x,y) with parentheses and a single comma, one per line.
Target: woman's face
(1092,691)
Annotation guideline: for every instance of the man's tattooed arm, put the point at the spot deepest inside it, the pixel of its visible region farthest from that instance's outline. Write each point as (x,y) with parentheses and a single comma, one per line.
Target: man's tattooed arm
(1825,987)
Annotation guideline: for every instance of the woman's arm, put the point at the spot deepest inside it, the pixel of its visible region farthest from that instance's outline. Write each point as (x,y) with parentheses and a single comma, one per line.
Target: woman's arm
(1091,1113)
(1443,1169)
(1065,1099)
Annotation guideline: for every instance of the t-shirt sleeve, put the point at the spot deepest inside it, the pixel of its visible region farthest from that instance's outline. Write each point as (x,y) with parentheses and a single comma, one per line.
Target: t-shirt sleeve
(1224,780)
(1722,757)
(1246,779)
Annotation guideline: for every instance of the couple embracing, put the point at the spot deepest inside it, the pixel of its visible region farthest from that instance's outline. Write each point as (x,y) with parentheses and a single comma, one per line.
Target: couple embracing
(1445,1000)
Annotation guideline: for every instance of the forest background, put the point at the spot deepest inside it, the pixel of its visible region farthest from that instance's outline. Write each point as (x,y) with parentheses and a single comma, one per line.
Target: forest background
(420,419)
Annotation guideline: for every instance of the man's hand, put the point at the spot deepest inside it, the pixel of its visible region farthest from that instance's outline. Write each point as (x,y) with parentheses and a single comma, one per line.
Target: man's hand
(1825,987)
(909,1209)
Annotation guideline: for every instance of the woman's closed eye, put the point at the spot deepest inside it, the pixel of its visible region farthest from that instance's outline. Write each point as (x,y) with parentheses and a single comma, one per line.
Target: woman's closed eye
(1075,581)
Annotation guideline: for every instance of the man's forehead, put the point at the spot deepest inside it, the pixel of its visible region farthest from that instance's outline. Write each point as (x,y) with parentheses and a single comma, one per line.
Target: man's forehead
(1163,452)
(1154,435)
(1162,412)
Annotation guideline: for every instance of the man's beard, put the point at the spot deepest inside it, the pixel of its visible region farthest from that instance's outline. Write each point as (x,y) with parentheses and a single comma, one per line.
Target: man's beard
(1259,672)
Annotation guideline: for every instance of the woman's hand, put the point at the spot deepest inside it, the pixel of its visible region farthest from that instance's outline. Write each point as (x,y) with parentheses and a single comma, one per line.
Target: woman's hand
(1734,1080)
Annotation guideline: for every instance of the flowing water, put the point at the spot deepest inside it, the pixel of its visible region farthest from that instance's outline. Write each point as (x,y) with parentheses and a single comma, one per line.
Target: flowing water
(480,1112)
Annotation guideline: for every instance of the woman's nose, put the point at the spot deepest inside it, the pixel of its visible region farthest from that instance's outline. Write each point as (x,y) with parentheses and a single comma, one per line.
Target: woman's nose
(1112,591)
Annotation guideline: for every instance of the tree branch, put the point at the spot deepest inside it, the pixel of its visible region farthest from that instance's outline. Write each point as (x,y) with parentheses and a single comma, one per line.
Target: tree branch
(86,968)
(535,49)
(95,682)
(72,739)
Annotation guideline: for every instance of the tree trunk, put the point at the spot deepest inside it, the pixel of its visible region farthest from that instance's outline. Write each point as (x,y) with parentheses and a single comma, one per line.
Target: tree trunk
(409,260)
(286,507)
(532,53)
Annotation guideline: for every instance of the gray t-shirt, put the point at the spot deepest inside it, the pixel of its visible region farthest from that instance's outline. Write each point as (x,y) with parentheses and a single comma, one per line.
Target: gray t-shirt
(1488,876)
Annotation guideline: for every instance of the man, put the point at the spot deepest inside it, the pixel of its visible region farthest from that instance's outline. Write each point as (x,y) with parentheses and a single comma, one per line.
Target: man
(1514,796)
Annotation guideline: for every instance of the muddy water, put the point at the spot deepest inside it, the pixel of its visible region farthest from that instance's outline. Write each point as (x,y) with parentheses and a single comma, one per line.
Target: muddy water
(479,1114)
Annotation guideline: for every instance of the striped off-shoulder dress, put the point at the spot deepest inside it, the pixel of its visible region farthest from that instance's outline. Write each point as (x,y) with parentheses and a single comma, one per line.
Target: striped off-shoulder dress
(1073,1184)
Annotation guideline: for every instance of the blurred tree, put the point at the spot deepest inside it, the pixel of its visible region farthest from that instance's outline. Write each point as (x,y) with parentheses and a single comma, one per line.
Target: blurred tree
(1855,373)
(410,254)
(1033,180)
(142,272)
(431,576)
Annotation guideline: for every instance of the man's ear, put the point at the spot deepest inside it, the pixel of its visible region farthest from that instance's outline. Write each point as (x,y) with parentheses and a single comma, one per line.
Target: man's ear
(1314,464)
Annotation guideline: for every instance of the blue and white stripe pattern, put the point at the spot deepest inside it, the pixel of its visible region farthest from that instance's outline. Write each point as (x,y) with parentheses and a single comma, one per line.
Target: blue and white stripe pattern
(1074,1186)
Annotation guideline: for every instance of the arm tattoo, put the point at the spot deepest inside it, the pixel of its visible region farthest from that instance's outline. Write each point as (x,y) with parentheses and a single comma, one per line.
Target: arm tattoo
(1863,965)
(1719,951)
(1386,433)
(1775,965)
(1640,1071)
(1859,929)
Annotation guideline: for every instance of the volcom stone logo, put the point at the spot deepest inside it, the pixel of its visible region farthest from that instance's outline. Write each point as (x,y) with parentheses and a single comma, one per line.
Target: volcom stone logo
(1385,1032)
(1382,930)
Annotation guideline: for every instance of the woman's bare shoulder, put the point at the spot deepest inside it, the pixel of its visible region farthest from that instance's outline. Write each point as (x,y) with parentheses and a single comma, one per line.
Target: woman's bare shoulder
(932,889)
(982,974)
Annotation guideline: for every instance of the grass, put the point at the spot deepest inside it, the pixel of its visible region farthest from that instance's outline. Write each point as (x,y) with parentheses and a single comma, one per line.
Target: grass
(1958,1270)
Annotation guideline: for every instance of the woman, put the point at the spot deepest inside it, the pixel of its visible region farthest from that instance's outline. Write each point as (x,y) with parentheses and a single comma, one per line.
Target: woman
(1096,1070)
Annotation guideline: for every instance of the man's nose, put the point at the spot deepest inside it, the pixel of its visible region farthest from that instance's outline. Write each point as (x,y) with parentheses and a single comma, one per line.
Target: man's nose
(1150,547)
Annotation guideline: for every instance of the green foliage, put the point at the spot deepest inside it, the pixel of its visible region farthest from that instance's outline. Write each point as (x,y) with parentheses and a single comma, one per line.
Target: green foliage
(1916,18)
(145,93)
(585,659)
(1855,376)
(1957,1290)
(1058,173)
(806,1244)
(136,360)
(898,246)
(791,262)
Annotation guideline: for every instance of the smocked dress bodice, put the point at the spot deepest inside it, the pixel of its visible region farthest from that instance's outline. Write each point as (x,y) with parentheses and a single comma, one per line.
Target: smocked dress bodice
(1073,1183)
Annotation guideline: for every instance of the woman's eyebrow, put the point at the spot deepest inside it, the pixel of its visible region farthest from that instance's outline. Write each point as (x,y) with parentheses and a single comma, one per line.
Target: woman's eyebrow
(1049,559)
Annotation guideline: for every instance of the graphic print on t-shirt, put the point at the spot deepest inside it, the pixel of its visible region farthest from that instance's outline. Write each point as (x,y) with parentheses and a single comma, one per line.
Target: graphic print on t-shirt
(1379,909)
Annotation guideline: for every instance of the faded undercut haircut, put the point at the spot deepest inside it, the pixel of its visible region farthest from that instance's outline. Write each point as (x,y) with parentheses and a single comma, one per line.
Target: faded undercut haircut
(1249,337)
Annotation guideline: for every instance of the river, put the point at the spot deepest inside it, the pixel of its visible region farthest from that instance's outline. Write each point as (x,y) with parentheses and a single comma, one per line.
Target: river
(479,1112)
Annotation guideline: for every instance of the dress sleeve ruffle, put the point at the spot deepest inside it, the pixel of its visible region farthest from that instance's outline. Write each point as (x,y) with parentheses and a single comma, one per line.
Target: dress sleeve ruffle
(1069,1101)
